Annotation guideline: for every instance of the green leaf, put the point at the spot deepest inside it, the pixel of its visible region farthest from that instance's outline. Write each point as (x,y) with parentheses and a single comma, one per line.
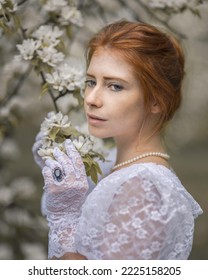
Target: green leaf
(44,89)
(53,132)
(79,98)
(60,138)
(98,168)
(87,167)
(70,130)
(94,175)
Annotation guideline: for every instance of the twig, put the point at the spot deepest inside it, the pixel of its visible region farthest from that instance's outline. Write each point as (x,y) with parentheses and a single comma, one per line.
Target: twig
(21,2)
(50,93)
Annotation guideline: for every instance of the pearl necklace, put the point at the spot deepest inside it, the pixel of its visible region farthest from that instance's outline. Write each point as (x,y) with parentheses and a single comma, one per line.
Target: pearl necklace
(155,154)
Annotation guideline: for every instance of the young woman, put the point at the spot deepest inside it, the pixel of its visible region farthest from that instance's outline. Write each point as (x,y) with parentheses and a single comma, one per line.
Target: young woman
(140,210)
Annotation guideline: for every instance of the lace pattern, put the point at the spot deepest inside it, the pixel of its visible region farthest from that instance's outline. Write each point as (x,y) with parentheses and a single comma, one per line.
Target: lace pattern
(139,212)
(63,199)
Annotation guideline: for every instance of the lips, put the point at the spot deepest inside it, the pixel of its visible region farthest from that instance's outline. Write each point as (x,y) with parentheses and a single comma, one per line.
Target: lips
(94,117)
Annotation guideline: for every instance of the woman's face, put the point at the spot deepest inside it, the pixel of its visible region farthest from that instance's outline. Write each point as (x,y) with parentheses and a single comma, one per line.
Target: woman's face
(114,103)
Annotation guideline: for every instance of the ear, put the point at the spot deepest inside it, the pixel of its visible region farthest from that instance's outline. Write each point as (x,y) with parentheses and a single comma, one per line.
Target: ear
(155,108)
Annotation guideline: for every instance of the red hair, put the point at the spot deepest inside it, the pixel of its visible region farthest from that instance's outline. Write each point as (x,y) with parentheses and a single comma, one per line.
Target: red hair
(156,57)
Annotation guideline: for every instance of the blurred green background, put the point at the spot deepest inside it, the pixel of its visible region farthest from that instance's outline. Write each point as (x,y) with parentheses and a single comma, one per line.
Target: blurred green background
(23,230)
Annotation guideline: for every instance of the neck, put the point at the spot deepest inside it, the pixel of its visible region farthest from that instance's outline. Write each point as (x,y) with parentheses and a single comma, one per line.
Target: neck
(128,148)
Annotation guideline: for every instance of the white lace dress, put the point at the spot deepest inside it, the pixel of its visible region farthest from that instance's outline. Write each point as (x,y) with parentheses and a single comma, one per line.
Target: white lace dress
(138,212)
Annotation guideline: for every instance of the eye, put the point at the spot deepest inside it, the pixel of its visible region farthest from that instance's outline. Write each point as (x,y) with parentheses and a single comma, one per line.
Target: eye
(115,87)
(90,83)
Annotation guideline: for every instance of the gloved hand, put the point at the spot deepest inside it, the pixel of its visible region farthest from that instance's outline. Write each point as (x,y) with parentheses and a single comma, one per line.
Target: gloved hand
(65,190)
(36,146)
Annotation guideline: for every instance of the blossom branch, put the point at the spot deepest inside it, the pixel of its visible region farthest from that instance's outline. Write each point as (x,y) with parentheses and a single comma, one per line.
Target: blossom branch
(21,2)
(50,92)
(63,93)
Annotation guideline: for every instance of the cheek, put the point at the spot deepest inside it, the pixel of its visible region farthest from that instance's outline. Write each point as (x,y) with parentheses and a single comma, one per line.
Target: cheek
(131,112)
(127,120)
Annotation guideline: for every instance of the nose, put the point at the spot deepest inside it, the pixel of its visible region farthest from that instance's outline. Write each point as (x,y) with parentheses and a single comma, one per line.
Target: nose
(93,97)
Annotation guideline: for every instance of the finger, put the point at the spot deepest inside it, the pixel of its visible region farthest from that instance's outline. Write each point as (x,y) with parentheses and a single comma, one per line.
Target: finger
(53,164)
(38,159)
(47,176)
(56,170)
(63,160)
(71,150)
(36,146)
(39,136)
(75,157)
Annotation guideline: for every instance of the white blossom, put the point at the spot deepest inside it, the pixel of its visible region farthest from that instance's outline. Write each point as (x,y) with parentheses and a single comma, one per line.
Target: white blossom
(68,76)
(45,152)
(83,145)
(53,137)
(98,143)
(55,119)
(50,56)
(52,120)
(28,48)
(162,4)
(73,75)
(48,35)
(56,80)
(72,15)
(48,148)
(54,5)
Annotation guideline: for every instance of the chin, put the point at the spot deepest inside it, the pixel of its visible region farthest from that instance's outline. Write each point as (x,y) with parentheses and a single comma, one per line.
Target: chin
(98,133)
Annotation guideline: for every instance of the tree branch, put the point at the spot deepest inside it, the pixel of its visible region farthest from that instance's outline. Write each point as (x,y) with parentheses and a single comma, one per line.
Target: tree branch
(50,93)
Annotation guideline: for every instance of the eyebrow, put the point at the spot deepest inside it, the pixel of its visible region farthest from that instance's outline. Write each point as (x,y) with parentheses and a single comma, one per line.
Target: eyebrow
(108,78)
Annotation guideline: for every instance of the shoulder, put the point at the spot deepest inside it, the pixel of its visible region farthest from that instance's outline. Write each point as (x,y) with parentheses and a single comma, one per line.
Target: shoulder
(144,174)
(155,180)
(148,177)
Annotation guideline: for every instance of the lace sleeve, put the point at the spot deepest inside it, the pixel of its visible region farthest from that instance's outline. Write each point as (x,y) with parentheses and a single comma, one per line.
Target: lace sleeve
(136,222)
(143,221)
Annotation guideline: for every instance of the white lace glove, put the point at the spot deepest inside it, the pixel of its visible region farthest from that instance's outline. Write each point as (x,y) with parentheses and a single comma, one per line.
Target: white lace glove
(65,189)
(36,146)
